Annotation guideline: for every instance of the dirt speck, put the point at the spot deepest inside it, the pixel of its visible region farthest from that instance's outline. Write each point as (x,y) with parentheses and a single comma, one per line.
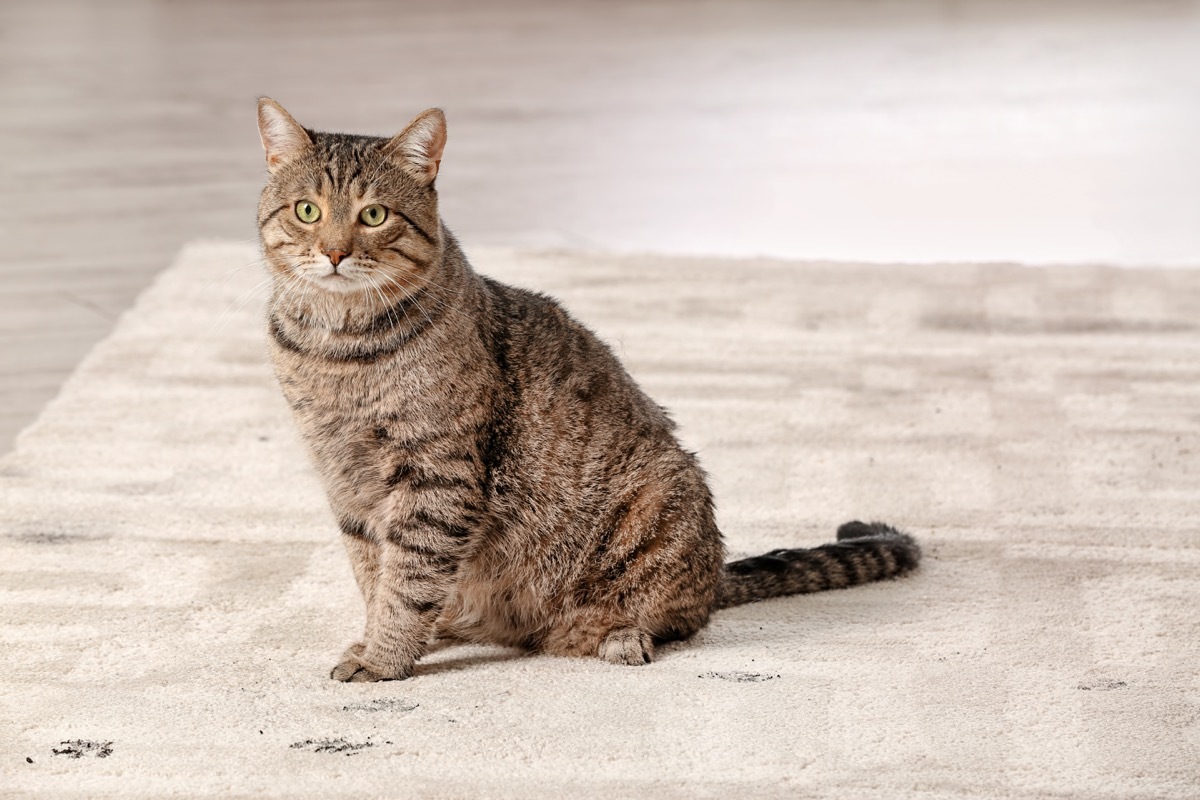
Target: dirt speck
(78,748)
(393,704)
(737,676)
(338,745)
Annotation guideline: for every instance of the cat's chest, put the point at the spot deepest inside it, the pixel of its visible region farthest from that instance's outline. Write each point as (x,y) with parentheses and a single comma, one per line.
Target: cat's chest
(345,416)
(341,401)
(345,408)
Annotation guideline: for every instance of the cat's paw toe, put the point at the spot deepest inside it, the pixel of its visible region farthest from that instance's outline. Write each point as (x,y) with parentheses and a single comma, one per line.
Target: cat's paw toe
(628,646)
(350,665)
(346,669)
(364,675)
(356,667)
(351,670)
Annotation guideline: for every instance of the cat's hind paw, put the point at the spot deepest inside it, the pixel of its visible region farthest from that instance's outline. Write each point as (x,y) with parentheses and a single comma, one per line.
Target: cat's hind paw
(628,646)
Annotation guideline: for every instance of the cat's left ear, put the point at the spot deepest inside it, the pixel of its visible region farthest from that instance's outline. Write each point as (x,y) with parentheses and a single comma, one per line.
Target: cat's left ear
(419,147)
(283,138)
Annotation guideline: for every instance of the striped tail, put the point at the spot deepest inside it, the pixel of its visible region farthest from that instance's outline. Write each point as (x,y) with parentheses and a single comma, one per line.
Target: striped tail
(863,552)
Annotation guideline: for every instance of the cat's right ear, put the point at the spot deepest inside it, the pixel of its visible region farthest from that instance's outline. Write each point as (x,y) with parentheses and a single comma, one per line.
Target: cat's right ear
(283,138)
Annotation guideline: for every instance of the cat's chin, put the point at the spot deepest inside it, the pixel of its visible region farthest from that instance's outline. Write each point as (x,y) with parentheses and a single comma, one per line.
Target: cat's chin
(339,284)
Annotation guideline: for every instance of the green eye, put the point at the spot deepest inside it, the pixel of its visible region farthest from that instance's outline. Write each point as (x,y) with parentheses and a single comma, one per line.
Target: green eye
(373,215)
(308,211)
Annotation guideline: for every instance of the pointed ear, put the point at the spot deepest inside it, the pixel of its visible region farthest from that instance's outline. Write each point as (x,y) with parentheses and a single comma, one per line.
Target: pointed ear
(283,138)
(419,147)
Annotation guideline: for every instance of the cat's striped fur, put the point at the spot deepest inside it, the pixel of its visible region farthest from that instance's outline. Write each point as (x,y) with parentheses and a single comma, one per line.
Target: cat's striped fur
(497,474)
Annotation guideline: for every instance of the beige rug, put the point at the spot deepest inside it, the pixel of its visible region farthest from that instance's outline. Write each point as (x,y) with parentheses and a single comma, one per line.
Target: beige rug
(173,591)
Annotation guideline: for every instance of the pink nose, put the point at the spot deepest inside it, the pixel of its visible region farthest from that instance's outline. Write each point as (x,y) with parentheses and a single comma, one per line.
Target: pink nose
(335,256)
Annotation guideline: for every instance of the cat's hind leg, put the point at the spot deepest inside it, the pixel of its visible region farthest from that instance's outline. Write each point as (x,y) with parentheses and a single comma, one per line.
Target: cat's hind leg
(595,632)
(652,572)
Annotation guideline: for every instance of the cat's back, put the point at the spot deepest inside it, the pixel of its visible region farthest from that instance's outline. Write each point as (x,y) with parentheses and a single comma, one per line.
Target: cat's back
(553,361)
(573,431)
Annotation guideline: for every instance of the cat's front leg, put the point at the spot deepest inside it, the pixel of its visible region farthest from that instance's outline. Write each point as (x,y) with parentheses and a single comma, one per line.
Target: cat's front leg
(417,566)
(363,552)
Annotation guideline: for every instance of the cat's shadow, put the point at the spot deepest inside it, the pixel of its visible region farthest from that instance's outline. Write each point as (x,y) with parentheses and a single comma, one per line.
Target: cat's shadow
(439,658)
(747,627)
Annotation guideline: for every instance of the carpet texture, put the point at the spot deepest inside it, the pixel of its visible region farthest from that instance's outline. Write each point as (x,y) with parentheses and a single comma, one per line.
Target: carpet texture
(173,591)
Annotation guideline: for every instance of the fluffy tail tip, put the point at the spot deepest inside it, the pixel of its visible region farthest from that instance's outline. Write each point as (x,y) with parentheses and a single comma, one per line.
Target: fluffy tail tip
(902,544)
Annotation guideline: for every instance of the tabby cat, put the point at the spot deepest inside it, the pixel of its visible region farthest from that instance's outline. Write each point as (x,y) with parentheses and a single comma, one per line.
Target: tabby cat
(497,475)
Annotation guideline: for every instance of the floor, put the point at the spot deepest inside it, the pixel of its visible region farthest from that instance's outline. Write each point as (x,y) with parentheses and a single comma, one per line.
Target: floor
(999,130)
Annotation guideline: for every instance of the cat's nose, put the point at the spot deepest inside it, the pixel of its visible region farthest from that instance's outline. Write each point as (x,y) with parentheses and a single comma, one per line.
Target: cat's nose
(335,255)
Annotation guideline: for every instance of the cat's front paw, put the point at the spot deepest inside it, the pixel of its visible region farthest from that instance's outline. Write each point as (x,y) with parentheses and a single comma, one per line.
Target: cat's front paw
(350,671)
(355,667)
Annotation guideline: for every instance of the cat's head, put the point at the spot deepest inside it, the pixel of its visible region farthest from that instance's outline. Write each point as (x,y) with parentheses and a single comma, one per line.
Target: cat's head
(350,214)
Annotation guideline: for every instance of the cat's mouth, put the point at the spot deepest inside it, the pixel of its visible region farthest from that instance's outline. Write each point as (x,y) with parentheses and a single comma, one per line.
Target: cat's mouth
(337,281)
(344,277)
